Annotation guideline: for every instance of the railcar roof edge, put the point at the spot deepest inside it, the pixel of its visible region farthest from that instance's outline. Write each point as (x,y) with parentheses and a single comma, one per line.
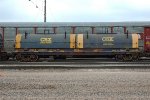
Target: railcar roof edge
(77,24)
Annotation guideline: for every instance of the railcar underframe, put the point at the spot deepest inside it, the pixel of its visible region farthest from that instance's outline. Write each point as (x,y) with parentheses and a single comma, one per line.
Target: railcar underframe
(118,54)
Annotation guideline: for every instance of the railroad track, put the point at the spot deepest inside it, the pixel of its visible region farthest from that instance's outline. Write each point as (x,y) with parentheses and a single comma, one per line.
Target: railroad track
(75,63)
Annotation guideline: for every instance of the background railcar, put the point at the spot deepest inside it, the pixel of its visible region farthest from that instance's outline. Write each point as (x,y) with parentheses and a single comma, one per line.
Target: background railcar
(3,53)
(1,46)
(76,39)
(1,42)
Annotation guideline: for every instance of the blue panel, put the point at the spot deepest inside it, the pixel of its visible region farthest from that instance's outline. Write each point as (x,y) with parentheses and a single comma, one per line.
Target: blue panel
(46,41)
(118,41)
(108,41)
(90,41)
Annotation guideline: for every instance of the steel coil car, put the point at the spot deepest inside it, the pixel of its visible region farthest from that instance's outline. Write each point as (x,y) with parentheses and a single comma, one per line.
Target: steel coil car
(30,47)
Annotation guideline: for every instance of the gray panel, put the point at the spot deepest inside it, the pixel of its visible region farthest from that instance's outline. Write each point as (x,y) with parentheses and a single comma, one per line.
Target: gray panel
(83,30)
(62,30)
(0,41)
(25,30)
(9,38)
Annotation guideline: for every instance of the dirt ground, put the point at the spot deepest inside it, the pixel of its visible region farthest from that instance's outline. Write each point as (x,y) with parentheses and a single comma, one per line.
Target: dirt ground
(75,84)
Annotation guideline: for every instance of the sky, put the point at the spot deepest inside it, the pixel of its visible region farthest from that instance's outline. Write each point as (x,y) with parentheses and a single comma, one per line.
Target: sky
(75,10)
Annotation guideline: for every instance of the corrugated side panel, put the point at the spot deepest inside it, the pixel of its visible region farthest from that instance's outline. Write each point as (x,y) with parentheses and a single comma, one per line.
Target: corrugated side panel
(0,41)
(147,39)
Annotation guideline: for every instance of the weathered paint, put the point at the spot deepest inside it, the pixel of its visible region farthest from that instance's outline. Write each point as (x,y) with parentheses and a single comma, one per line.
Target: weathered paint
(3,35)
(18,40)
(35,30)
(73,29)
(45,41)
(1,42)
(146,39)
(72,40)
(80,41)
(135,40)
(16,30)
(113,41)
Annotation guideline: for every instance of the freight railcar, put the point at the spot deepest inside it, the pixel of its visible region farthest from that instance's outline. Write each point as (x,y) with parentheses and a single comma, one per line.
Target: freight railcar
(0,42)
(31,47)
(3,54)
(74,40)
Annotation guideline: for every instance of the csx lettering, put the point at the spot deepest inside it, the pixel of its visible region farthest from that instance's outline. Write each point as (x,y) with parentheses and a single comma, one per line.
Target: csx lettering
(108,39)
(45,40)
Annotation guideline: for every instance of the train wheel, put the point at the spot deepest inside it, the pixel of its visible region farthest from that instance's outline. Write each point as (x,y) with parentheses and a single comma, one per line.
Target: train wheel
(33,58)
(127,58)
(4,57)
(124,57)
(135,57)
(22,58)
(25,58)
(119,57)
(18,57)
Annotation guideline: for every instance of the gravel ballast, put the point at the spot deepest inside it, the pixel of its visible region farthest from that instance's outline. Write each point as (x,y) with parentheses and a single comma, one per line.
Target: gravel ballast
(75,84)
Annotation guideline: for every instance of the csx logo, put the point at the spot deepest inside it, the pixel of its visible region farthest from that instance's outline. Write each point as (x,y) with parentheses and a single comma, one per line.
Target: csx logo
(45,40)
(108,39)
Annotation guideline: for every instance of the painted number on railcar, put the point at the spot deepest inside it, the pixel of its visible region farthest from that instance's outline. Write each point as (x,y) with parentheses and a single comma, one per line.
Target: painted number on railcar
(109,39)
(46,40)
